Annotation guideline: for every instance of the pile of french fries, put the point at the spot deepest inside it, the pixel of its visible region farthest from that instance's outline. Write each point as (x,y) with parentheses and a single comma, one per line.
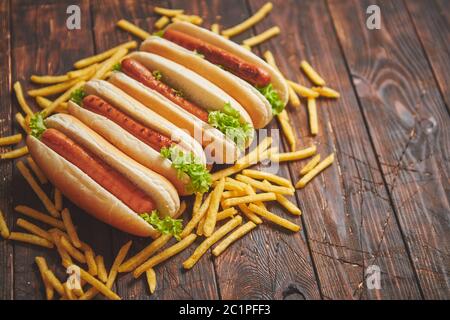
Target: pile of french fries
(235,206)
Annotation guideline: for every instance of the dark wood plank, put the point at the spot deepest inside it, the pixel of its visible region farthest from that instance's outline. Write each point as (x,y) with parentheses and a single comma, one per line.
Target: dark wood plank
(6,248)
(432,22)
(38,49)
(346,212)
(172,281)
(408,123)
(270,263)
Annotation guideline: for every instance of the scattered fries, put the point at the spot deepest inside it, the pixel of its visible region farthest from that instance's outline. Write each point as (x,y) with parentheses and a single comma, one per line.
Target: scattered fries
(264,187)
(311,73)
(108,64)
(62,98)
(274,218)
(168,12)
(4,231)
(72,251)
(287,129)
(206,244)
(151,280)
(37,172)
(54,89)
(21,121)
(30,238)
(310,165)
(58,199)
(215,28)
(71,231)
(247,24)
(191,19)
(235,235)
(326,92)
(313,120)
(102,274)
(49,79)
(162,22)
(54,282)
(211,216)
(315,171)
(30,227)
(249,214)
(21,99)
(196,217)
(302,90)
(227,213)
(5,141)
(42,217)
(269,196)
(104,55)
(90,260)
(292,156)
(289,206)
(133,29)
(269,33)
(16,153)
(268,176)
(42,265)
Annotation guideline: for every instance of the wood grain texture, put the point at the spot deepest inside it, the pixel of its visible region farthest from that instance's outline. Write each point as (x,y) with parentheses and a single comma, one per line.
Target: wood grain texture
(172,281)
(346,211)
(408,123)
(6,248)
(432,22)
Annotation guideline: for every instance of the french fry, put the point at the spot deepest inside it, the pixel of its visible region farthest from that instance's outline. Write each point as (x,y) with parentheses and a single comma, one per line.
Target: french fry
(249,214)
(21,121)
(30,238)
(287,131)
(104,55)
(326,92)
(310,165)
(32,213)
(234,236)
(325,163)
(49,205)
(274,218)
(208,242)
(312,113)
(5,141)
(54,282)
(69,292)
(103,289)
(121,255)
(4,231)
(255,40)
(264,187)
(62,98)
(231,185)
(58,199)
(30,227)
(211,216)
(311,73)
(144,254)
(151,280)
(197,202)
(16,153)
(21,99)
(108,64)
(200,226)
(302,90)
(246,47)
(37,172)
(162,22)
(102,274)
(49,79)
(42,265)
(90,260)
(227,213)
(53,89)
(232,194)
(268,176)
(168,12)
(72,251)
(45,103)
(59,247)
(196,217)
(247,24)
(269,196)
(292,156)
(192,19)
(165,254)
(71,231)
(89,70)
(288,205)
(215,28)
(133,29)
(253,155)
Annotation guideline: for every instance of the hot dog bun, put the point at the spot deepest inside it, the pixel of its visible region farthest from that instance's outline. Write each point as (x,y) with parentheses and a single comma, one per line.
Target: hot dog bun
(88,194)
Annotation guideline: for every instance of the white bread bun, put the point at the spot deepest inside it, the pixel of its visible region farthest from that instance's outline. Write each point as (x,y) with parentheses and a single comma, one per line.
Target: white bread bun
(130,145)
(218,148)
(144,115)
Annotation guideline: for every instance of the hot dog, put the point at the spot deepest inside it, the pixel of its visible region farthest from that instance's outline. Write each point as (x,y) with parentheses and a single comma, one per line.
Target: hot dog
(231,62)
(98,177)
(138,72)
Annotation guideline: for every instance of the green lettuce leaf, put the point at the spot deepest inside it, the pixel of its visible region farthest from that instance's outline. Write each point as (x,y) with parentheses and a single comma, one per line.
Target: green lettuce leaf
(166,225)
(187,163)
(117,67)
(78,95)
(228,121)
(273,97)
(37,125)
(157,74)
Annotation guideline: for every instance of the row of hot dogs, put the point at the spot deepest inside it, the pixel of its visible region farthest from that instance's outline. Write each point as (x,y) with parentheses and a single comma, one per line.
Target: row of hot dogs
(131,145)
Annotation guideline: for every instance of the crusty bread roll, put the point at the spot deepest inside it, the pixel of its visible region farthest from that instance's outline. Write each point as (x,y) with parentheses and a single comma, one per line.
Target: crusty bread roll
(88,194)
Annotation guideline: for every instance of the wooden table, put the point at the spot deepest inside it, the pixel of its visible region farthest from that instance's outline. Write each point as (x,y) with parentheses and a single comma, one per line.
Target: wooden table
(384,202)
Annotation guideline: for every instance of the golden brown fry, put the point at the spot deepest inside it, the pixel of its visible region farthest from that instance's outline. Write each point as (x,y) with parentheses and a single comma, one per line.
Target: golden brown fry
(196,217)
(21,99)
(30,238)
(72,251)
(249,214)
(30,227)
(53,89)
(45,103)
(292,208)
(151,280)
(58,199)
(208,242)
(165,254)
(215,28)
(5,141)
(42,265)
(104,55)
(311,73)
(168,12)
(326,92)
(274,218)
(16,153)
(62,98)
(292,156)
(108,64)
(257,17)
(71,231)
(102,274)
(49,205)
(211,216)
(255,40)
(37,172)
(191,19)
(302,90)
(269,196)
(133,29)
(46,79)
(235,235)
(69,292)
(200,225)
(54,282)
(162,22)
(315,171)
(268,176)
(21,121)
(89,70)
(264,187)
(40,216)
(197,203)
(313,120)
(227,213)
(56,236)
(90,260)
(310,165)
(4,231)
